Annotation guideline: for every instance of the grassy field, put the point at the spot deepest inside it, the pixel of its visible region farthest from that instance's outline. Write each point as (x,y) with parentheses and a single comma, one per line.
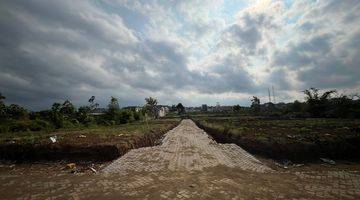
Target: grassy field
(92,143)
(297,139)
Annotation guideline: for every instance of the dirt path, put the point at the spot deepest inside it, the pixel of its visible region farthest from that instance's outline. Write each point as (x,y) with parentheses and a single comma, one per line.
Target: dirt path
(188,165)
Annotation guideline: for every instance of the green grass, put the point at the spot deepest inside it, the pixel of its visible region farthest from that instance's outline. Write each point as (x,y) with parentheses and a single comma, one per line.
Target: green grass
(102,133)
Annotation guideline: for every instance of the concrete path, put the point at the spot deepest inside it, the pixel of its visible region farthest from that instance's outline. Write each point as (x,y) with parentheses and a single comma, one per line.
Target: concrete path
(186,148)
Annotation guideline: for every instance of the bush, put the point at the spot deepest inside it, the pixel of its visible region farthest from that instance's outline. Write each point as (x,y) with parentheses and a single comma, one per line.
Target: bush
(40,125)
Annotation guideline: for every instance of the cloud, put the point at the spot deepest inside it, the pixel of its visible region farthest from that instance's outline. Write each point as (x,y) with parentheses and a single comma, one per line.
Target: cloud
(187,51)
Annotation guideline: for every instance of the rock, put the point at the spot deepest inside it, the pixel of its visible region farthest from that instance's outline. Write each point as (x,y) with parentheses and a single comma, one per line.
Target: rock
(326,160)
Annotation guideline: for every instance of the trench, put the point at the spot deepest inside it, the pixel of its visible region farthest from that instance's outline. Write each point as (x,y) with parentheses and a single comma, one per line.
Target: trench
(92,152)
(347,149)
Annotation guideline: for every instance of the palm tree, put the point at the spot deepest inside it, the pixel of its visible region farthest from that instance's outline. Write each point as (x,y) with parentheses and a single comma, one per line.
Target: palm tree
(150,106)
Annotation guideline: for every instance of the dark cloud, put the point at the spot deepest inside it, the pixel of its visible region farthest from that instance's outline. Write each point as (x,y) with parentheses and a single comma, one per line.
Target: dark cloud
(56,50)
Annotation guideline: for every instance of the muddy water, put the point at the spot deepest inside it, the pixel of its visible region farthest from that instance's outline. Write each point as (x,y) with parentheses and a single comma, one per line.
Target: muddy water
(192,166)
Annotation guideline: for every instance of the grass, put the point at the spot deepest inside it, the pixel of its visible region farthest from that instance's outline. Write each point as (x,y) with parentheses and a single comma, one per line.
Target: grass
(286,137)
(102,133)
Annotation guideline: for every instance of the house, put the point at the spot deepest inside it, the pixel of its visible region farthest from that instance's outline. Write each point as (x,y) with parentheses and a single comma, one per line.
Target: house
(133,108)
(161,111)
(98,111)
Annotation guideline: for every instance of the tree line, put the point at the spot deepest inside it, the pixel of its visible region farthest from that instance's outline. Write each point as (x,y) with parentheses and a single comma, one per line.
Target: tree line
(316,105)
(14,118)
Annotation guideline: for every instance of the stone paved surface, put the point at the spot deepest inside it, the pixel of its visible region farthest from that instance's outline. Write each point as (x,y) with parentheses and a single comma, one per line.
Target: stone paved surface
(186,147)
(188,165)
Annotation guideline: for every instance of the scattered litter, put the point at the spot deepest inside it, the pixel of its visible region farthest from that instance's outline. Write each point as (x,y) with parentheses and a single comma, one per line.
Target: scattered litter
(92,169)
(291,136)
(53,139)
(298,165)
(72,167)
(326,160)
(284,164)
(10,141)
(120,134)
(82,136)
(327,134)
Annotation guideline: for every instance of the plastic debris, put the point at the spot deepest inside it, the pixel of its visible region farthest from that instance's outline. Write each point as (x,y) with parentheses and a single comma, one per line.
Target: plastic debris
(326,160)
(284,164)
(92,169)
(71,167)
(53,139)
(82,136)
(298,165)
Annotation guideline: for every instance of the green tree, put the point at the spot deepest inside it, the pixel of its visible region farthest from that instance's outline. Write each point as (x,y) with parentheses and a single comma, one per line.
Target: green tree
(56,116)
(255,105)
(2,107)
(237,108)
(317,103)
(16,112)
(113,113)
(180,108)
(113,104)
(150,106)
(83,115)
(68,110)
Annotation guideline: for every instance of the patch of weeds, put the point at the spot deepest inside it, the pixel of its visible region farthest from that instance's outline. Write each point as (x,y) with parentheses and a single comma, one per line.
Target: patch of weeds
(303,130)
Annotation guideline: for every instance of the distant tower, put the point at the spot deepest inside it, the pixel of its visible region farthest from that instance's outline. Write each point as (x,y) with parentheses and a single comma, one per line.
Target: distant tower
(273,94)
(269,95)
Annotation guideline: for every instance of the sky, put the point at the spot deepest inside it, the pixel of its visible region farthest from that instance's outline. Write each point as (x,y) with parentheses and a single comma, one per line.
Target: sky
(194,52)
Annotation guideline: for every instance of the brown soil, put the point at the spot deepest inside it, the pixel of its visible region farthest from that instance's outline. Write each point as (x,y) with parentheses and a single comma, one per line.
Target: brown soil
(75,147)
(278,145)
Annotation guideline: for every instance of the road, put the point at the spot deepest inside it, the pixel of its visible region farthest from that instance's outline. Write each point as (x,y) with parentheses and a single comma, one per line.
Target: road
(187,165)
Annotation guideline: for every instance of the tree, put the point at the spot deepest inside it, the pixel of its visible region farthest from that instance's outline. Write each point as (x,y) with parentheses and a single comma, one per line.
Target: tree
(113,104)
(255,105)
(237,108)
(150,106)
(180,108)
(2,107)
(92,102)
(16,112)
(317,104)
(83,115)
(68,109)
(56,117)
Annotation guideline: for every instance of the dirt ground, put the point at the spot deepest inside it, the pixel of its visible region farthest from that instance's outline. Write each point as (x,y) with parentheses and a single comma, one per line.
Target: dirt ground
(188,165)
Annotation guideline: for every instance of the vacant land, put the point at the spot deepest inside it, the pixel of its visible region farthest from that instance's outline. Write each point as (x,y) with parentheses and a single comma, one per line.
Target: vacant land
(296,139)
(99,143)
(187,165)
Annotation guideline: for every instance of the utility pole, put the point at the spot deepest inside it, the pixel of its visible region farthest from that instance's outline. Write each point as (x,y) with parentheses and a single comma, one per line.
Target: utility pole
(269,95)
(273,94)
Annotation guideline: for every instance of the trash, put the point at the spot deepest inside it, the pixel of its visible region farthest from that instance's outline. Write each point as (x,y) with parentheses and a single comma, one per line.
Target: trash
(298,165)
(10,141)
(326,160)
(82,136)
(92,169)
(53,139)
(72,167)
(284,163)
(120,135)
(291,136)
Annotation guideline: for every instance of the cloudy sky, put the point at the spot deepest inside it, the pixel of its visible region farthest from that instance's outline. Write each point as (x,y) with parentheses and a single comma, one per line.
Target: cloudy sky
(200,51)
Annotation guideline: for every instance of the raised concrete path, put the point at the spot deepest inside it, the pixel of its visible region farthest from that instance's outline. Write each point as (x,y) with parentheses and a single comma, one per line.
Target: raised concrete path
(186,148)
